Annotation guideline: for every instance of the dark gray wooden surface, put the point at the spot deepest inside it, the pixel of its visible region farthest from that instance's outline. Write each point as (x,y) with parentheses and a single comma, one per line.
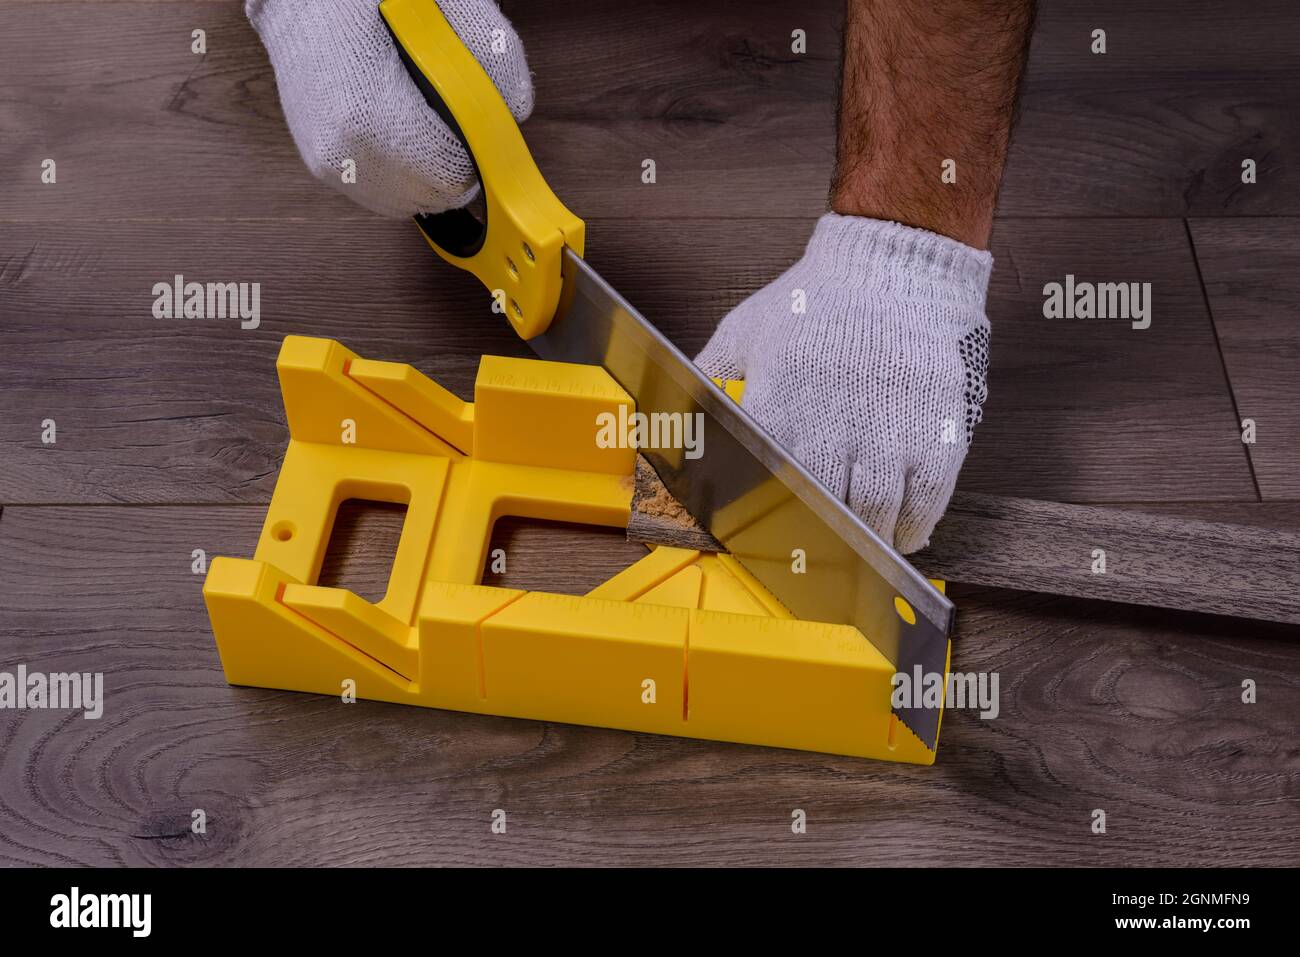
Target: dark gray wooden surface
(738,125)
(1082,410)
(1124,167)
(1134,712)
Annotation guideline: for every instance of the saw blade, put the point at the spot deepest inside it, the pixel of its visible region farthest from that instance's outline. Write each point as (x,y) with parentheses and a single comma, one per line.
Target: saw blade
(778,521)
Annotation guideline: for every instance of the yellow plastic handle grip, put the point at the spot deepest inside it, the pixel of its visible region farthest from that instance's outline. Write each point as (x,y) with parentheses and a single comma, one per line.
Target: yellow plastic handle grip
(516,252)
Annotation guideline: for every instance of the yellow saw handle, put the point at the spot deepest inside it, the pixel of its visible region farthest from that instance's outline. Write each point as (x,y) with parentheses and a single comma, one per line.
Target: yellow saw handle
(517,250)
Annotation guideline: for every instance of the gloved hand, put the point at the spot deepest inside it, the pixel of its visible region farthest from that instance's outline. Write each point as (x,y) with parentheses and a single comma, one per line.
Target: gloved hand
(346,95)
(867,360)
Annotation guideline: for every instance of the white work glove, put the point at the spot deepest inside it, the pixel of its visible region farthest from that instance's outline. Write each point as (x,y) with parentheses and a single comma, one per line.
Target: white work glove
(346,95)
(867,360)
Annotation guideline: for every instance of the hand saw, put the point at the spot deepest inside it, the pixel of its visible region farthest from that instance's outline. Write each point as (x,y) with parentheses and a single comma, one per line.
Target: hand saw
(802,543)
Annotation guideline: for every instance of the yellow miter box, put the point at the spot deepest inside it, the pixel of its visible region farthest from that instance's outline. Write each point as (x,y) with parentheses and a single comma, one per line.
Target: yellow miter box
(681,642)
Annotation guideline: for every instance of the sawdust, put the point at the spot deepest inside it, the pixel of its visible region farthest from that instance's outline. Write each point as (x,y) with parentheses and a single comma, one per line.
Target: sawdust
(653,499)
(658,518)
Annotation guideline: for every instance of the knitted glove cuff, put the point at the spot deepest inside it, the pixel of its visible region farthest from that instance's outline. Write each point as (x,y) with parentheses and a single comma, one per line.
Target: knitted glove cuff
(901,262)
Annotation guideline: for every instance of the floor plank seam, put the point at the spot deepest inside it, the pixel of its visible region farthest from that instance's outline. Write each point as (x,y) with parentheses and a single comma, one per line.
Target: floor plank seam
(1223,361)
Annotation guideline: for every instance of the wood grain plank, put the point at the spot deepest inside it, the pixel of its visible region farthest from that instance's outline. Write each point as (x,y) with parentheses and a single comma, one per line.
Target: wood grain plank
(1132,711)
(1252,278)
(156,410)
(1279,516)
(1093,410)
(177,410)
(1160,555)
(738,125)
(1148,558)
(1159,124)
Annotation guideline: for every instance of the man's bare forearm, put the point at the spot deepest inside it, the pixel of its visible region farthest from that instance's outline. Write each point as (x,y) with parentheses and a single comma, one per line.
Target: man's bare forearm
(924,83)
